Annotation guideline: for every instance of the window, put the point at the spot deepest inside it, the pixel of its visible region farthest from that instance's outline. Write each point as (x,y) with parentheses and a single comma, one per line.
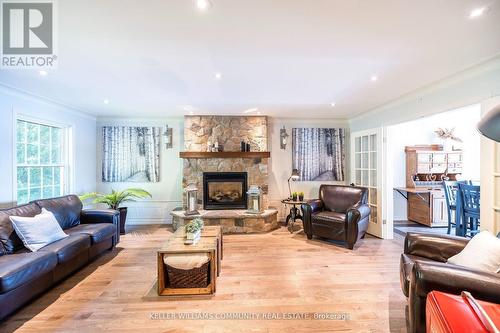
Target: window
(41,161)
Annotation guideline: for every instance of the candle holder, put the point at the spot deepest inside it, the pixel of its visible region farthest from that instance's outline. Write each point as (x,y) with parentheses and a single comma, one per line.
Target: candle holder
(191,200)
(254,195)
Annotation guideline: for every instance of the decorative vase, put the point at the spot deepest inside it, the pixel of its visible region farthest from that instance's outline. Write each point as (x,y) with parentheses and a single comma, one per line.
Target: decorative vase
(301,198)
(294,197)
(123,219)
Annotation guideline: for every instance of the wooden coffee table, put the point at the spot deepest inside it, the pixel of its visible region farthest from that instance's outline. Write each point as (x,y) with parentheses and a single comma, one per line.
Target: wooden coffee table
(176,245)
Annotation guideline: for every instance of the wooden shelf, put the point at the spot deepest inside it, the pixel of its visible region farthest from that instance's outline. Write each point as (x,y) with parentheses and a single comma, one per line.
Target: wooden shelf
(224,154)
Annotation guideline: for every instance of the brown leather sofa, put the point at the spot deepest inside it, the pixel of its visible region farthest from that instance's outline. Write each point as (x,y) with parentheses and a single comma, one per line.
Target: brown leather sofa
(340,213)
(25,274)
(423,268)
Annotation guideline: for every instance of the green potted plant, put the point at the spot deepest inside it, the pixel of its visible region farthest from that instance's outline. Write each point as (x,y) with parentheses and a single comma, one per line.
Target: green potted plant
(301,196)
(294,196)
(193,228)
(115,199)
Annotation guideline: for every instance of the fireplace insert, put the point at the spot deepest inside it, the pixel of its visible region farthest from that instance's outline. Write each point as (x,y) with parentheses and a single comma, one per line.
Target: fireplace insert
(224,190)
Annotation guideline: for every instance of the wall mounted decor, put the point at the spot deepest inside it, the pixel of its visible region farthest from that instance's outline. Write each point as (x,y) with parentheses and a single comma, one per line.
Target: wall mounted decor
(319,153)
(168,137)
(283,138)
(131,154)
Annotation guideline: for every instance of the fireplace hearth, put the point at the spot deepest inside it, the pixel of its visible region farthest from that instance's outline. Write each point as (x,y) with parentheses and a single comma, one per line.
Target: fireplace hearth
(224,190)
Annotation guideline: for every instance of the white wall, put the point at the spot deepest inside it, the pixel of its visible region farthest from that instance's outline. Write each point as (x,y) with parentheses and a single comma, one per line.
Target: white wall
(421,131)
(83,126)
(477,85)
(281,160)
(469,87)
(490,170)
(167,193)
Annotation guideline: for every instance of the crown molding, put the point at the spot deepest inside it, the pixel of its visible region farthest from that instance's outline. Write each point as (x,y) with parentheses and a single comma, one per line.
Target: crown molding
(468,73)
(48,101)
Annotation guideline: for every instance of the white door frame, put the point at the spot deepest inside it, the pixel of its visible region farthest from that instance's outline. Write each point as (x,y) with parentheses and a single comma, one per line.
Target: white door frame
(384,193)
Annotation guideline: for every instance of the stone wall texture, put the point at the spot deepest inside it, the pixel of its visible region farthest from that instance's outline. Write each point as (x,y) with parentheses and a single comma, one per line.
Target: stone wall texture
(229,132)
(226,130)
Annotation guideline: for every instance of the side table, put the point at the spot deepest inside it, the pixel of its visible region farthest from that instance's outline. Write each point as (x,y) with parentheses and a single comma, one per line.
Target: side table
(295,213)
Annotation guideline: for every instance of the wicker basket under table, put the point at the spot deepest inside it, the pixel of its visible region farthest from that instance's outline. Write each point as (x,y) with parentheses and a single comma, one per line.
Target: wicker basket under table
(174,282)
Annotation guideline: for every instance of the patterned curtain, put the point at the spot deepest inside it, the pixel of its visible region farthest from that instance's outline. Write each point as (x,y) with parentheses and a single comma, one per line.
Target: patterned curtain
(130,154)
(319,153)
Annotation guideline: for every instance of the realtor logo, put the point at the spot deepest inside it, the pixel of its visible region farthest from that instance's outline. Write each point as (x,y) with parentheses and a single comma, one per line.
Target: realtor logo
(28,34)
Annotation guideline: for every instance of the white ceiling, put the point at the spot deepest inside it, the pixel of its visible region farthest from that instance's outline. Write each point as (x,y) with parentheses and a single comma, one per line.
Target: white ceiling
(289,58)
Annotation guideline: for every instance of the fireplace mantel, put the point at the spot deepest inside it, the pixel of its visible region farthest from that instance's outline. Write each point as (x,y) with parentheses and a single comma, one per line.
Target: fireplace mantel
(224,154)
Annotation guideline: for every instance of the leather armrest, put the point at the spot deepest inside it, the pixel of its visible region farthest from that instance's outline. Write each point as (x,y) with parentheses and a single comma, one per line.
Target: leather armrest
(432,246)
(310,207)
(358,213)
(316,205)
(92,216)
(453,279)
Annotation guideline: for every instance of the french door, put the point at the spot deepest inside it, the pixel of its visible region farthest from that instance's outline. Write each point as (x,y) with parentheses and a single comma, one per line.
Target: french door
(367,170)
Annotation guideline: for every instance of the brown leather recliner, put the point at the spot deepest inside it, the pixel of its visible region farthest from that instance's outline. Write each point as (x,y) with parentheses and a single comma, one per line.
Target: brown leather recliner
(340,213)
(423,268)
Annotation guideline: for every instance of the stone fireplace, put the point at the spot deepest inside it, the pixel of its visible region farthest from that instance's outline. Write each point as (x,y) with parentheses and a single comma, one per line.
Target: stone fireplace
(224,190)
(223,178)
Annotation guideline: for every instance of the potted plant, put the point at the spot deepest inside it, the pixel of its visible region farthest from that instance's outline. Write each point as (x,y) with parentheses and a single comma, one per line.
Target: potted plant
(301,196)
(294,196)
(115,199)
(193,228)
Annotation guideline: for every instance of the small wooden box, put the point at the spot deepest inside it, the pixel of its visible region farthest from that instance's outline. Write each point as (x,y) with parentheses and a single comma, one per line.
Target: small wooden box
(177,246)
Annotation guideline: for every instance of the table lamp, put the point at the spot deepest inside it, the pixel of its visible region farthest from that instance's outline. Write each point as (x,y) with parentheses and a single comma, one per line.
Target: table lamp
(489,126)
(294,176)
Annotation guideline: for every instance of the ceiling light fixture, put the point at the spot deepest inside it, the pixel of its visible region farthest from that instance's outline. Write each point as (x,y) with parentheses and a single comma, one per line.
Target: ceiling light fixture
(332,104)
(43,73)
(374,78)
(251,110)
(191,112)
(477,12)
(258,113)
(218,76)
(203,4)
(106,101)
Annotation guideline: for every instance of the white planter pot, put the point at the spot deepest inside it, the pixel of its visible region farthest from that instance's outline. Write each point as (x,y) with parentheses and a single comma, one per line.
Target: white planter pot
(193,236)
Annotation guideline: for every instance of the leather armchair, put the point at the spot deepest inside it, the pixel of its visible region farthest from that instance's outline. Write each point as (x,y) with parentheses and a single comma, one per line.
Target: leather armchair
(423,269)
(340,213)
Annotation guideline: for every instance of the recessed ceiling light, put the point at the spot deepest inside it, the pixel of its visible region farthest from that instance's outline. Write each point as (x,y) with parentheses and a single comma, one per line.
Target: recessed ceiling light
(332,104)
(251,110)
(188,108)
(203,4)
(191,112)
(477,12)
(218,76)
(43,73)
(374,78)
(106,101)
(258,113)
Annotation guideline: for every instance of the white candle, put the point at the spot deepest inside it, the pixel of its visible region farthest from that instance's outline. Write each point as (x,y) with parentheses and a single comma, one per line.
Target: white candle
(255,204)
(191,203)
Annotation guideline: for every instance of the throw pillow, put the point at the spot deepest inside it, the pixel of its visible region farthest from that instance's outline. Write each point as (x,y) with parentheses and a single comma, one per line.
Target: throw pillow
(481,253)
(38,231)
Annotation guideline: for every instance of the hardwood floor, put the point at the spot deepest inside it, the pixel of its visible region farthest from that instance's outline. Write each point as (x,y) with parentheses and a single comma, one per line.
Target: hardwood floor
(272,273)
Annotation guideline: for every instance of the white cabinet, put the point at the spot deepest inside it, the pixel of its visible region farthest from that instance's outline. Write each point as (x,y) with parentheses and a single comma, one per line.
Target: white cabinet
(439,209)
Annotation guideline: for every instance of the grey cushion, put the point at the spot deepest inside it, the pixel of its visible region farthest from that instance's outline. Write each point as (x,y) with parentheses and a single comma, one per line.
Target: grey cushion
(69,247)
(8,237)
(17,269)
(97,232)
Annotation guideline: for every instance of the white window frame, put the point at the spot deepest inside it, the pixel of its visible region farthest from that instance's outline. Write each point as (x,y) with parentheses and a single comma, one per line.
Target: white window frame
(66,158)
